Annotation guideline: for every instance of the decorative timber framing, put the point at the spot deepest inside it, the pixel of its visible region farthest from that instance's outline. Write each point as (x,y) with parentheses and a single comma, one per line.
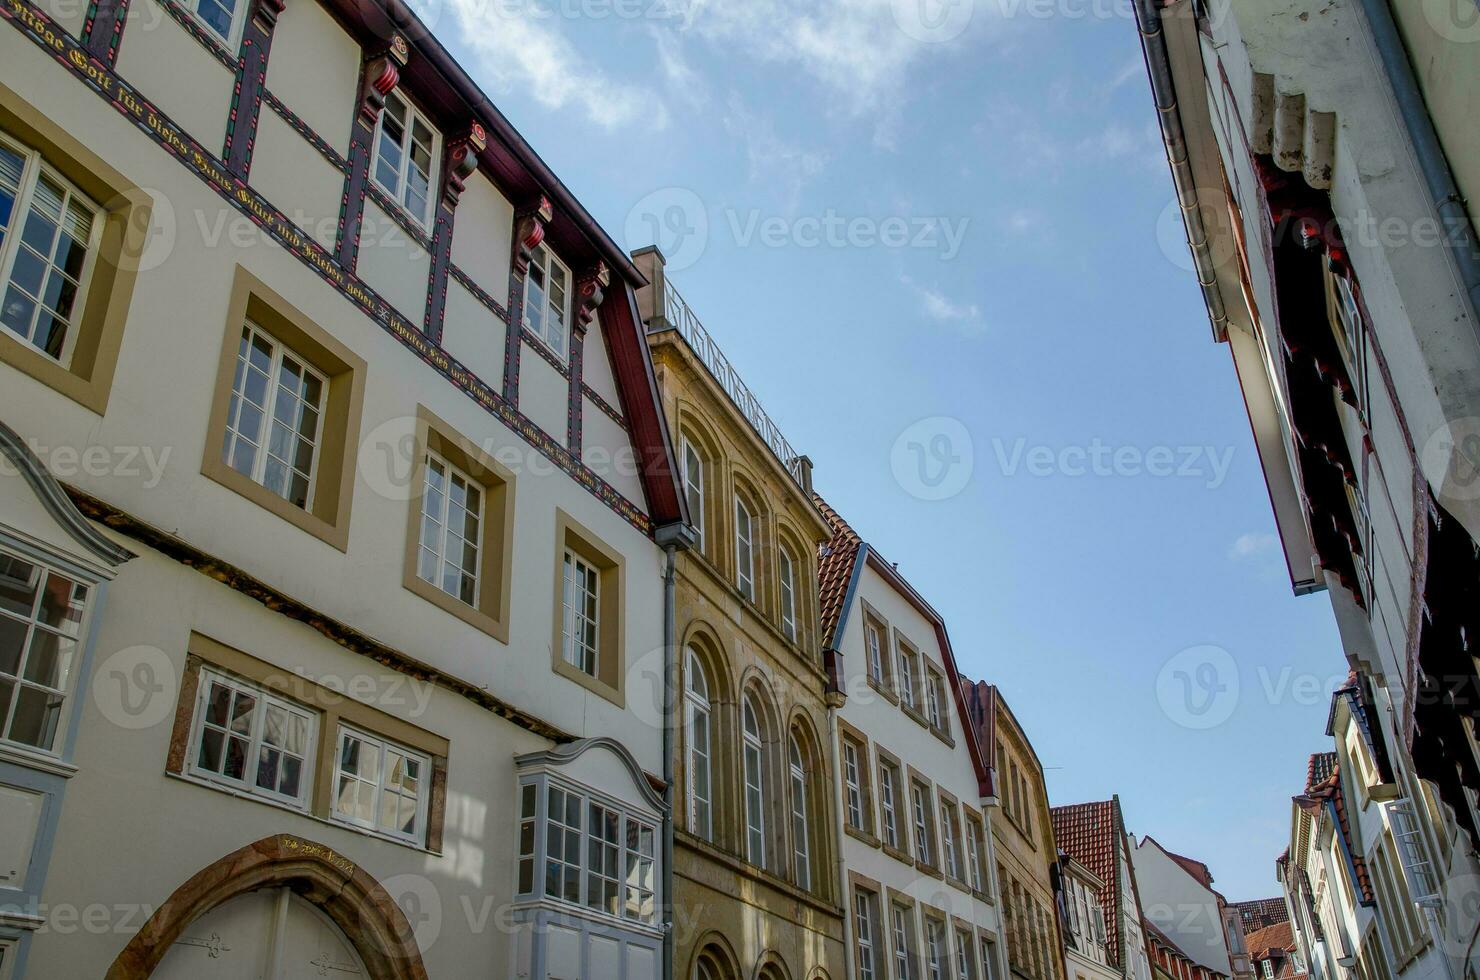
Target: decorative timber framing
(378,77)
(530,222)
(250,85)
(590,291)
(103,29)
(461,160)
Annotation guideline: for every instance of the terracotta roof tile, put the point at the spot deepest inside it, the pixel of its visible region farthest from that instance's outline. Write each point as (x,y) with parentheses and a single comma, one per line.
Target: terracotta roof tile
(1323,782)
(1275,943)
(1086,832)
(1262,913)
(834,569)
(1322,766)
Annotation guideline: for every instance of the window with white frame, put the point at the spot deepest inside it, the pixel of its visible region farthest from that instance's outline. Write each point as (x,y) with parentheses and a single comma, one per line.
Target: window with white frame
(935,696)
(904,942)
(274,423)
(697,715)
(950,850)
(924,819)
(693,488)
(786,575)
(744,550)
(800,826)
(405,155)
(755,786)
(49,238)
(989,959)
(873,641)
(936,956)
(381,786)
(1267,967)
(975,850)
(451,530)
(888,802)
(581,613)
(853,782)
(547,300)
(43,614)
(223,18)
(252,740)
(865,911)
(908,664)
(595,854)
(965,958)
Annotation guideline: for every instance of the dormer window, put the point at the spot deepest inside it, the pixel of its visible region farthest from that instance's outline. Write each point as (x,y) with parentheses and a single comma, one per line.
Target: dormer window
(547,300)
(405,146)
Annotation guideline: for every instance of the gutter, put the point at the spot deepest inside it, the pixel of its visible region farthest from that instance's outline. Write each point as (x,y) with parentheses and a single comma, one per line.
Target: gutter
(671,538)
(1164,92)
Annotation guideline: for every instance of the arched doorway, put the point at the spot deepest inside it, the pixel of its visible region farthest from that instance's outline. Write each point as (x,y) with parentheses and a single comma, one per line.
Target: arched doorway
(283,908)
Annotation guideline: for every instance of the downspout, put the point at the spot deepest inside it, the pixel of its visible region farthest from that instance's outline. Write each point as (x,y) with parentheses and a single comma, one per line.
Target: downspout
(671,538)
(1164,92)
(841,837)
(1432,162)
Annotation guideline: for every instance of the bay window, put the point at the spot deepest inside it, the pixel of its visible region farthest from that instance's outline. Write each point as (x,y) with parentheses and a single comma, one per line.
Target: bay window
(43,615)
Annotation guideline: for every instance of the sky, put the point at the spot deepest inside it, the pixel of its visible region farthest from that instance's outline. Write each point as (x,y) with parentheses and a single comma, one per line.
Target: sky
(938,239)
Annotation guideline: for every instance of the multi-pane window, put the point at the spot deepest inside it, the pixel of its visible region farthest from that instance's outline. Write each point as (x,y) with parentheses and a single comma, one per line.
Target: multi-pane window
(547,300)
(975,849)
(642,870)
(274,423)
(221,16)
(903,928)
(253,740)
(380,786)
(888,806)
(451,525)
(693,488)
(786,575)
(864,923)
(697,724)
(965,958)
(924,820)
(528,831)
(936,956)
(800,828)
(949,847)
(581,613)
(744,550)
(49,236)
(563,830)
(907,666)
(405,147)
(41,621)
(853,783)
(603,857)
(755,793)
(989,959)
(935,699)
(873,640)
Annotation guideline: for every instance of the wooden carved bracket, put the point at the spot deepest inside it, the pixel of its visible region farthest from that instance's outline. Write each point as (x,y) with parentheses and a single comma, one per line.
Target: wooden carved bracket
(382,75)
(266,13)
(462,160)
(590,291)
(529,232)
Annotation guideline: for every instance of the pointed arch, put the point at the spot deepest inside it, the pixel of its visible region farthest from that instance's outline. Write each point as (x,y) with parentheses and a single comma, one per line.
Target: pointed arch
(347,894)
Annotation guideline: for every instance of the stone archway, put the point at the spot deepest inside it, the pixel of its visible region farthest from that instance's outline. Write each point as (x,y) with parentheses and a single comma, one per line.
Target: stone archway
(354,901)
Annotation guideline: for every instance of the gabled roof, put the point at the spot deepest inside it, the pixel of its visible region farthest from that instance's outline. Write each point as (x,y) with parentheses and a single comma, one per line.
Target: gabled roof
(1271,940)
(1323,790)
(1262,913)
(1322,766)
(1088,833)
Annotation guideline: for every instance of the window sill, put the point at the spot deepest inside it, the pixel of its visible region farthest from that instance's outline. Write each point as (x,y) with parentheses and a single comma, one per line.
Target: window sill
(958,884)
(914,714)
(943,735)
(472,615)
(929,869)
(883,690)
(33,759)
(334,535)
(744,869)
(593,684)
(861,835)
(899,855)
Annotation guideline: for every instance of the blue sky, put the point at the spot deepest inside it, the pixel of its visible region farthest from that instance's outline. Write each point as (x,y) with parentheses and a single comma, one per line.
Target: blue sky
(1003,256)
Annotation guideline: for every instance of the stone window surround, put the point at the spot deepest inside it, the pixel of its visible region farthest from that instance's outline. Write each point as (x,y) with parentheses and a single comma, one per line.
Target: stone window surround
(611,661)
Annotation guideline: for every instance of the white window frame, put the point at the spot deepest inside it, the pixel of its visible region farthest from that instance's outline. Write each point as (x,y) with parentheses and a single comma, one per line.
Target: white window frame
(33,166)
(262,439)
(549,263)
(576,571)
(901,927)
(865,914)
(937,952)
(43,569)
(692,472)
(754,770)
(908,661)
(974,852)
(434,152)
(853,785)
(451,474)
(801,826)
(697,705)
(1267,968)
(873,642)
(950,852)
(385,749)
(786,577)
(232,38)
(924,819)
(888,804)
(262,700)
(744,549)
(965,958)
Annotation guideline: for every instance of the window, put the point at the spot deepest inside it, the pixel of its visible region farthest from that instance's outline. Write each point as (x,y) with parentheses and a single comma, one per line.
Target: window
(252,740)
(451,530)
(755,793)
(888,794)
(274,420)
(590,581)
(965,956)
(935,697)
(904,943)
(853,781)
(799,825)
(693,488)
(1267,967)
(49,238)
(744,550)
(595,855)
(405,148)
(976,849)
(924,823)
(42,614)
(907,667)
(581,614)
(865,915)
(547,300)
(786,574)
(697,725)
(380,786)
(936,956)
(950,849)
(989,959)
(873,640)
(220,16)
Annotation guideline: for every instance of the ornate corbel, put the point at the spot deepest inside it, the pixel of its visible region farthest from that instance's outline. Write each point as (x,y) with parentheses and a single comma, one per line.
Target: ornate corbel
(266,13)
(590,290)
(462,160)
(529,232)
(382,74)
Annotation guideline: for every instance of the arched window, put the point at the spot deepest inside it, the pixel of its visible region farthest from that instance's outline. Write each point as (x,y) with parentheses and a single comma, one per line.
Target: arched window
(755,786)
(744,549)
(692,471)
(786,574)
(697,726)
(801,850)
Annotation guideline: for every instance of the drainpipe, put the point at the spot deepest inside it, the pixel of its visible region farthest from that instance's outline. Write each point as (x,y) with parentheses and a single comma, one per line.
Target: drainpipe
(1443,191)
(834,702)
(1164,92)
(671,538)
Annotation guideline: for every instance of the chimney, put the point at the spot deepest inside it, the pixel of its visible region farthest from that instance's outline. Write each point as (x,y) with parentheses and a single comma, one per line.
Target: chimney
(651,305)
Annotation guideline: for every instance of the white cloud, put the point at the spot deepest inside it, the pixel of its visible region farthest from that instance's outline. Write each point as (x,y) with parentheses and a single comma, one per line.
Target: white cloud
(941,308)
(512,49)
(1252,545)
(1134,68)
(772,158)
